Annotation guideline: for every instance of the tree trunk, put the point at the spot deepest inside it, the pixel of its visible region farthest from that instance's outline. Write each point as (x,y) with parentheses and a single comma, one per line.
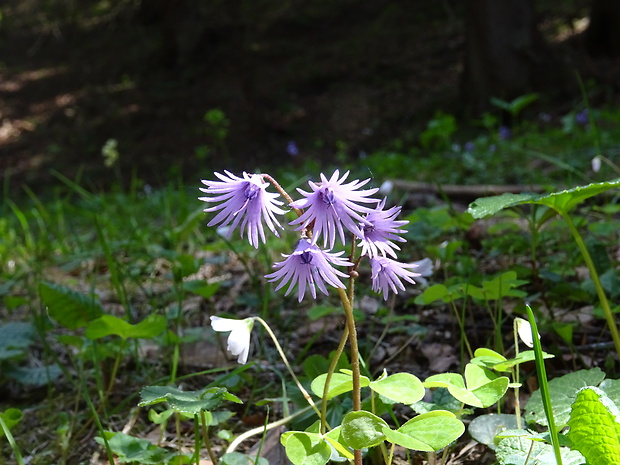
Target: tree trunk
(602,37)
(504,53)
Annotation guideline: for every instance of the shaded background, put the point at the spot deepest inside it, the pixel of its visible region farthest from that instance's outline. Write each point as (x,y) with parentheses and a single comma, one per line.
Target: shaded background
(178,87)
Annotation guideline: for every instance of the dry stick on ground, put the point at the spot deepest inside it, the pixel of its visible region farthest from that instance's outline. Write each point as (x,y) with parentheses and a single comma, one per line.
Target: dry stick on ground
(474,190)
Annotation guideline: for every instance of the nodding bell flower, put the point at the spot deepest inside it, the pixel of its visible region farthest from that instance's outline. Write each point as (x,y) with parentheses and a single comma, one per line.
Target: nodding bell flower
(332,205)
(380,229)
(245,203)
(309,267)
(239,338)
(386,274)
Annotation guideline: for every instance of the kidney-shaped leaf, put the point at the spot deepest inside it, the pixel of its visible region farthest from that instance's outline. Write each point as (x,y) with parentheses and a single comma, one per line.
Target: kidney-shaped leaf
(399,387)
(427,432)
(363,429)
(306,448)
(108,325)
(338,384)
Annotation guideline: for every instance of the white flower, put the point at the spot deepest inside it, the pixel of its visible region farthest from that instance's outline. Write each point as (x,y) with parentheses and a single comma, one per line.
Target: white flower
(425,269)
(239,338)
(524,329)
(596,164)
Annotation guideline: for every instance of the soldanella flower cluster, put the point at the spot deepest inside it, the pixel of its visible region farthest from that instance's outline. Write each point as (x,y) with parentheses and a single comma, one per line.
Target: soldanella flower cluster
(332,209)
(330,215)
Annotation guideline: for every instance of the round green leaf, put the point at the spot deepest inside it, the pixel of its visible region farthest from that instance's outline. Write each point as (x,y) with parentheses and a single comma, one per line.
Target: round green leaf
(428,432)
(362,429)
(400,387)
(307,449)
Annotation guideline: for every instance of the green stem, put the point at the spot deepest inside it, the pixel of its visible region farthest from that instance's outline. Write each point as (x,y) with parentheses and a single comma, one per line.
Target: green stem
(205,435)
(328,378)
(287,364)
(355,362)
(544,386)
(9,437)
(609,316)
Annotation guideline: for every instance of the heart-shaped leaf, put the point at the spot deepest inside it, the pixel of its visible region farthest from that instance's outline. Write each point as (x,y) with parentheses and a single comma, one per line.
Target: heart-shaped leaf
(427,432)
(399,387)
(363,429)
(108,325)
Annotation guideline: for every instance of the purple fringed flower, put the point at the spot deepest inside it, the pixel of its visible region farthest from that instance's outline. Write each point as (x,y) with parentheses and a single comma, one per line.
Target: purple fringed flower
(381,229)
(309,266)
(332,205)
(387,273)
(245,202)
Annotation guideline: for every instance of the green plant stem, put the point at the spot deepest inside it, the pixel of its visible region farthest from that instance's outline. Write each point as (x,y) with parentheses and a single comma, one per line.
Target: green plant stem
(609,316)
(117,362)
(515,375)
(355,362)
(9,437)
(544,386)
(205,435)
(328,378)
(288,365)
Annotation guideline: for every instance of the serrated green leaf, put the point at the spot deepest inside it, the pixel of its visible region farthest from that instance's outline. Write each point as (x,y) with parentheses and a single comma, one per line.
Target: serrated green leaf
(108,325)
(524,451)
(14,338)
(562,201)
(35,376)
(306,448)
(134,450)
(186,401)
(427,432)
(399,387)
(595,427)
(563,392)
(485,428)
(363,429)
(68,307)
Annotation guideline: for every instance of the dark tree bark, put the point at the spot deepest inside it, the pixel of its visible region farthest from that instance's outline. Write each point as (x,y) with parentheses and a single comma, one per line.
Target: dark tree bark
(602,37)
(505,56)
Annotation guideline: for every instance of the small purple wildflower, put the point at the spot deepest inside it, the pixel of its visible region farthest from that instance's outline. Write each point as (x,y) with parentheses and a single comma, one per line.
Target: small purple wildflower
(309,267)
(292,149)
(381,230)
(504,133)
(582,118)
(245,202)
(470,146)
(387,273)
(332,205)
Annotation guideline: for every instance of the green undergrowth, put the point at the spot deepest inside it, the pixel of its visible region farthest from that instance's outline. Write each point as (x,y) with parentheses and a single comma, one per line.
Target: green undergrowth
(105,299)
